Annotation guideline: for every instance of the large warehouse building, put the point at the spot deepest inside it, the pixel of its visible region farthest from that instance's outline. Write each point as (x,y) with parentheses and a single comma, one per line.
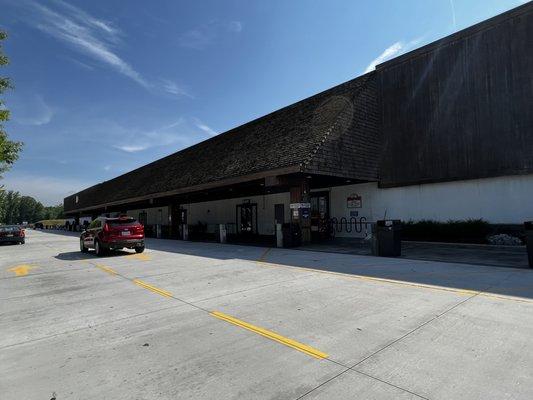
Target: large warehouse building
(442,132)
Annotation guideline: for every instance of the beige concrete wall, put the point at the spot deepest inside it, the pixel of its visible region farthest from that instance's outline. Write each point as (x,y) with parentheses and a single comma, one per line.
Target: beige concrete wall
(505,200)
(223,211)
(154,217)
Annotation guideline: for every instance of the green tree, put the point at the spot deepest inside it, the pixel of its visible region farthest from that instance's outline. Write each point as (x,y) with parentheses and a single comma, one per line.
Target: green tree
(53,212)
(30,210)
(9,150)
(10,207)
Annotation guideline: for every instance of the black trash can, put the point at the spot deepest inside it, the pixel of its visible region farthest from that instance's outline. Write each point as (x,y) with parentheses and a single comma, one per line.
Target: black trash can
(528,227)
(386,238)
(292,235)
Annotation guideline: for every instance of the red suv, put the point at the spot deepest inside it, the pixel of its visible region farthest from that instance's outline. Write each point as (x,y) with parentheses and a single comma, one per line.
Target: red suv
(105,234)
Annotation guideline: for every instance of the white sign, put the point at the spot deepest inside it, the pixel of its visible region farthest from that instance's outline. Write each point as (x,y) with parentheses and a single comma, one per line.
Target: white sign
(300,205)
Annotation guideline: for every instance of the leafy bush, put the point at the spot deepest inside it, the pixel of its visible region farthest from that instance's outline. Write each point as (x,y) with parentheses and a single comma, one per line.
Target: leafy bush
(452,231)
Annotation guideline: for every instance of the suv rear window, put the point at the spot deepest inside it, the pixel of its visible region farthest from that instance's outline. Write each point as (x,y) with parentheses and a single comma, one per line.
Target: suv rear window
(122,222)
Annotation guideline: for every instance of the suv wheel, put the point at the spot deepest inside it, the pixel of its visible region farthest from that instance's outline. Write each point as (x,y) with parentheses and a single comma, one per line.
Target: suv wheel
(83,249)
(139,249)
(98,248)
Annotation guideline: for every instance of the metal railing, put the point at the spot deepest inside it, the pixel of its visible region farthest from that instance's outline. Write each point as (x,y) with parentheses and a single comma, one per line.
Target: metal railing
(349,225)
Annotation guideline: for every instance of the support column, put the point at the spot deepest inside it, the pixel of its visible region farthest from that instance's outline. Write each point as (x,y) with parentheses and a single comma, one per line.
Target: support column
(174,220)
(301,215)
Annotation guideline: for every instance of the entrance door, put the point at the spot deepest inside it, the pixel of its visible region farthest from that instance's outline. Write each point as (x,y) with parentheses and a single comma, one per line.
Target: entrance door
(319,215)
(178,218)
(246,219)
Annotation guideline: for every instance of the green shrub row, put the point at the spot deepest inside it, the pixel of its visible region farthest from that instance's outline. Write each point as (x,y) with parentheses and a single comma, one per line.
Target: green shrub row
(453,231)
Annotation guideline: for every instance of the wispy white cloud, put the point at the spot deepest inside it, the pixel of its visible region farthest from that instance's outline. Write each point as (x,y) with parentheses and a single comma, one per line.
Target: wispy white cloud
(199,124)
(452,5)
(93,37)
(173,88)
(87,34)
(85,18)
(131,148)
(79,63)
(235,26)
(161,136)
(393,50)
(49,190)
(203,35)
(32,110)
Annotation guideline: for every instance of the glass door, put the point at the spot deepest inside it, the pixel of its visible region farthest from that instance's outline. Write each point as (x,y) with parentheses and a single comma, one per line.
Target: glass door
(319,215)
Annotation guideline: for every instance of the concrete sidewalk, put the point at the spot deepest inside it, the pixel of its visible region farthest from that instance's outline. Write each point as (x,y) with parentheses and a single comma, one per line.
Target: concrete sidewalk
(476,254)
(198,320)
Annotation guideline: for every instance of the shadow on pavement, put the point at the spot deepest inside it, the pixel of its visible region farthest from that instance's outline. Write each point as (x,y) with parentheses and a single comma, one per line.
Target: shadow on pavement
(491,279)
(497,280)
(78,255)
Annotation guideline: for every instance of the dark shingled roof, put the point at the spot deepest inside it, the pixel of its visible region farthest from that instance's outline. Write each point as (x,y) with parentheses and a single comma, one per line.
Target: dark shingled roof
(332,133)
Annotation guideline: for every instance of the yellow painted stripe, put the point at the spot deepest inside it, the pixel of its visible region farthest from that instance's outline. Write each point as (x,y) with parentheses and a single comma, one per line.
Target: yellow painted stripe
(140,256)
(271,335)
(152,288)
(106,269)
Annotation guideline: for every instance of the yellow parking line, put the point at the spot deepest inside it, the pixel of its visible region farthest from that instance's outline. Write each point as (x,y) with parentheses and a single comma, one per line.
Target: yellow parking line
(152,288)
(271,335)
(140,256)
(107,269)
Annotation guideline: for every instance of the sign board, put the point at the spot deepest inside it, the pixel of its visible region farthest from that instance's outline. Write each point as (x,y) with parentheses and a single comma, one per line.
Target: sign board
(354,201)
(300,205)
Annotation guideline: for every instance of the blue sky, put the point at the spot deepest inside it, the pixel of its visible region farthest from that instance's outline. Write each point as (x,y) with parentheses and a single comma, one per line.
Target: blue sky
(105,86)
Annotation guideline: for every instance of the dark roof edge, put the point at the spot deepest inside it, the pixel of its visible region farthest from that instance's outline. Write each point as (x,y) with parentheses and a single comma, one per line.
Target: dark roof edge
(195,188)
(463,33)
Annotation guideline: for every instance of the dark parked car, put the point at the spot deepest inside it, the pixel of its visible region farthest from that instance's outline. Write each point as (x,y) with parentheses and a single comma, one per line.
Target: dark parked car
(105,234)
(12,234)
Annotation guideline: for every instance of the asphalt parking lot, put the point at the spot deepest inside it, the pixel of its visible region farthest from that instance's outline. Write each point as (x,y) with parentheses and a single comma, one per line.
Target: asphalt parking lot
(205,321)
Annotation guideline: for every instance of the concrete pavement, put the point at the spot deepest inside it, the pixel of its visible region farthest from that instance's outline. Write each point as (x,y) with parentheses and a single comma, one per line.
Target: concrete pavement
(145,326)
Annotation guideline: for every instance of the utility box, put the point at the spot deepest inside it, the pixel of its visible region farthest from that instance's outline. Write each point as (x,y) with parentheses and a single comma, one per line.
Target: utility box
(386,238)
(528,227)
(292,235)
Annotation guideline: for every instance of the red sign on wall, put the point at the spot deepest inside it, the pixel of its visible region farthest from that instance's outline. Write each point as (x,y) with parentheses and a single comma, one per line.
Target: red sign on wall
(354,201)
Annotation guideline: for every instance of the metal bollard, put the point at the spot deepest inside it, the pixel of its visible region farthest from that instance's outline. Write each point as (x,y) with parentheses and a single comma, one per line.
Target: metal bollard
(528,227)
(279,235)
(222,233)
